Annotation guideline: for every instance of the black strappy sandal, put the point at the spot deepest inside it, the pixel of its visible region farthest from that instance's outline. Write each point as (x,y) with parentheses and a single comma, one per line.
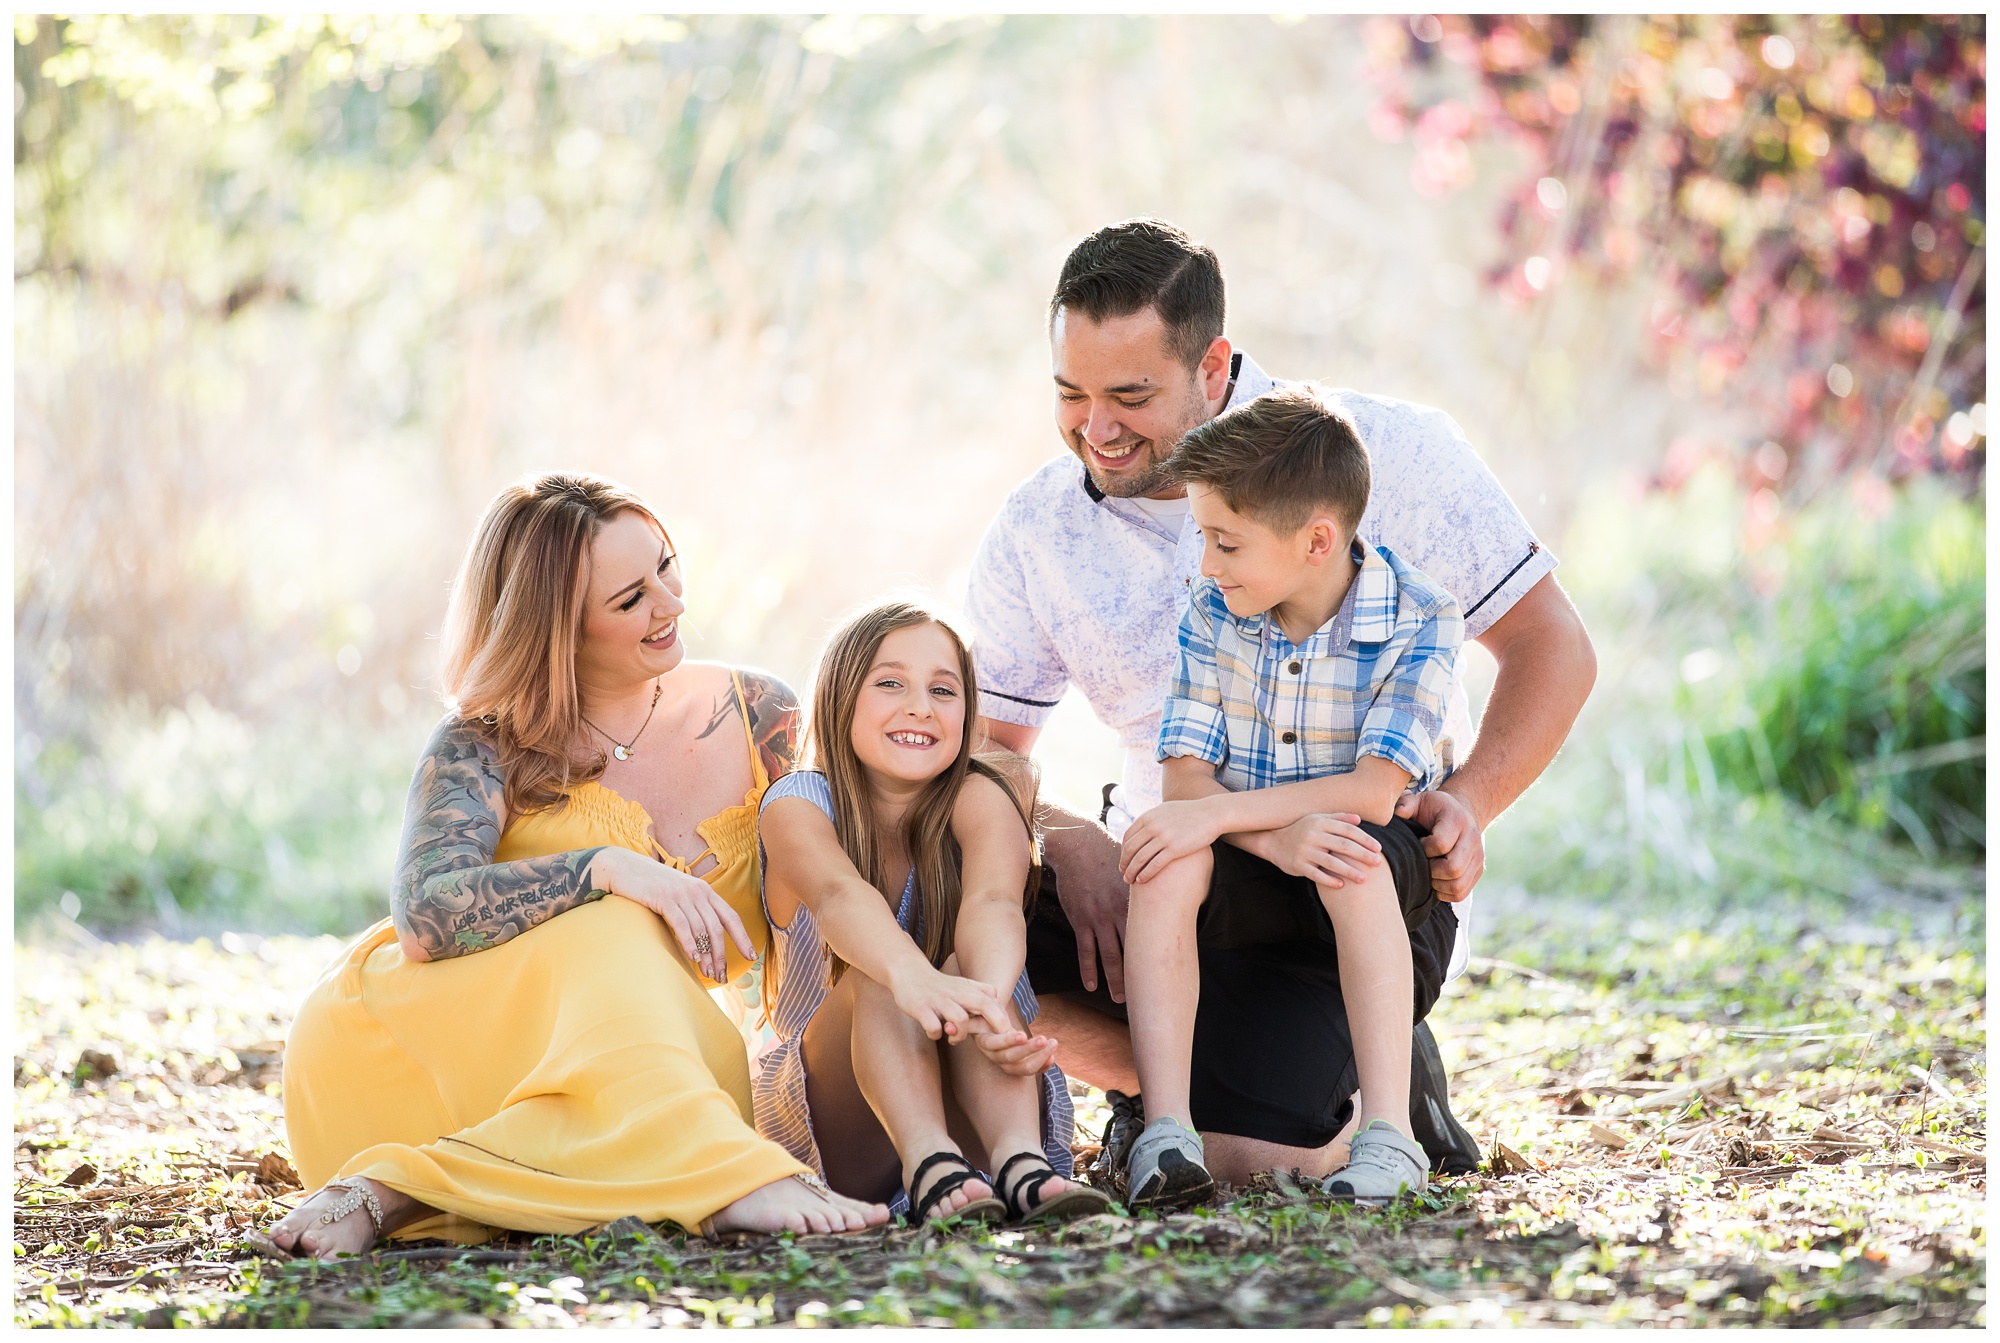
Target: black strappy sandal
(988,1209)
(1079,1200)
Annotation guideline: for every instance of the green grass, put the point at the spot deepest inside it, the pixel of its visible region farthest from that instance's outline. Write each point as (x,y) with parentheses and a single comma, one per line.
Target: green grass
(1759,718)
(192,820)
(1728,1206)
(1863,687)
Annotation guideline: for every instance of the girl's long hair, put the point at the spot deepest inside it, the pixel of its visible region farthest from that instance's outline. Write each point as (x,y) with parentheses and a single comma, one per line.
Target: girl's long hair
(934,852)
(515,619)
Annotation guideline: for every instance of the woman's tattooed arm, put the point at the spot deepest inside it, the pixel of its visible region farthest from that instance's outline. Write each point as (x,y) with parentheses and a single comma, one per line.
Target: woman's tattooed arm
(774,721)
(451,898)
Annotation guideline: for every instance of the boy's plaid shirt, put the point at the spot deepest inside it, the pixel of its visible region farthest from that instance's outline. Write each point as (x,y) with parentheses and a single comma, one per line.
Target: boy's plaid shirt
(1371,681)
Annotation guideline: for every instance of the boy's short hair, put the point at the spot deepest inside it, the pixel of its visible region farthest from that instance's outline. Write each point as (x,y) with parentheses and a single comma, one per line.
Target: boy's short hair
(1146,263)
(1278,458)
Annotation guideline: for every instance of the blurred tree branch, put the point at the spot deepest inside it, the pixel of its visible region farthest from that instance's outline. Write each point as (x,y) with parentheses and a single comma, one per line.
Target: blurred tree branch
(1808,194)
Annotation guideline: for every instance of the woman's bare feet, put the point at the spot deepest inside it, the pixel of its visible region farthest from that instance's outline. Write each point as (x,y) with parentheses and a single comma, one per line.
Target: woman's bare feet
(793,1204)
(302,1232)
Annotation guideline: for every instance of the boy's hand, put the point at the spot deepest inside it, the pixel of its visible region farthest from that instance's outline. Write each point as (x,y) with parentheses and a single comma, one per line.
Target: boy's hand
(1332,850)
(1016,1052)
(1168,832)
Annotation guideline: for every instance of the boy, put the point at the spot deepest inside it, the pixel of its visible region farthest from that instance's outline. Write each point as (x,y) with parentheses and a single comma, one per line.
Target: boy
(1309,694)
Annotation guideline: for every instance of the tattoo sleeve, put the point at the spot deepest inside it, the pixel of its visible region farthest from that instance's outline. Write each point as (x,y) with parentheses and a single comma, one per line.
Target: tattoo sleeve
(774,721)
(450,897)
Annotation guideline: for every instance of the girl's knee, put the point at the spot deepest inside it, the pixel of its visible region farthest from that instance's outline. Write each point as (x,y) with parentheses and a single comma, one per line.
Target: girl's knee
(869,998)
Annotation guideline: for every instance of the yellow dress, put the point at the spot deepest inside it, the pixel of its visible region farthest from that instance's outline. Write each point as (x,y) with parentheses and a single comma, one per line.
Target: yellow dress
(575,1074)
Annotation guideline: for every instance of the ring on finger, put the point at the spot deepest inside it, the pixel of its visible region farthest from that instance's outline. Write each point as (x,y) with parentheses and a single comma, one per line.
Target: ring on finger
(703,944)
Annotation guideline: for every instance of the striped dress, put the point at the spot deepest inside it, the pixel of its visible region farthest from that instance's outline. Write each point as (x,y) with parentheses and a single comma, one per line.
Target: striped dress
(778,1093)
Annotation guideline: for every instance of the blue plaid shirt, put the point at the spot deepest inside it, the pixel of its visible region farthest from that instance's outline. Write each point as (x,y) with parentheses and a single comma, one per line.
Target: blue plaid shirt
(1374,680)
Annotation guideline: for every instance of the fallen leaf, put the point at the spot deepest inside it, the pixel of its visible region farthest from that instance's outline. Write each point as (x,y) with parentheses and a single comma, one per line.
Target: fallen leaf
(1828,1133)
(278,1173)
(1605,1137)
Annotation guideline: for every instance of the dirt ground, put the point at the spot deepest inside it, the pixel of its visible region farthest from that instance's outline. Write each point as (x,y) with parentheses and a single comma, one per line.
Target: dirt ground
(1723,1120)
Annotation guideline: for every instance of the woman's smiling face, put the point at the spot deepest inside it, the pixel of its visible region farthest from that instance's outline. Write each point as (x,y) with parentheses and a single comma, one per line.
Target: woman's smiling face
(632,606)
(910,716)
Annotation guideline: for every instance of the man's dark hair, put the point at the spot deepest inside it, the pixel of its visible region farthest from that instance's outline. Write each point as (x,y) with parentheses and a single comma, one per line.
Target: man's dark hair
(1278,458)
(1146,263)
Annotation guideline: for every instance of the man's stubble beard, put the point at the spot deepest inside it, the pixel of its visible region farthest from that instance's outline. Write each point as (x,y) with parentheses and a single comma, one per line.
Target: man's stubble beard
(1153,477)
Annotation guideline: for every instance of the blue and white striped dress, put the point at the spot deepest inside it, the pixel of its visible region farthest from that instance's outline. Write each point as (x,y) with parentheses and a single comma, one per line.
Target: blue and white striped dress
(798,954)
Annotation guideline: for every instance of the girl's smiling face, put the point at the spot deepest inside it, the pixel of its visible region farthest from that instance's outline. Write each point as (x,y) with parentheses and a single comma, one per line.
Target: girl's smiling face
(910,716)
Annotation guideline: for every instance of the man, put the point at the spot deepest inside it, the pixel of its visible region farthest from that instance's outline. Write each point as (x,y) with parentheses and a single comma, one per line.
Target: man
(1081,579)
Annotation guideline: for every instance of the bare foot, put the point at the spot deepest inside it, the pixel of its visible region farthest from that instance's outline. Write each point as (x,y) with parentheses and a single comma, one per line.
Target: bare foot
(791,1204)
(302,1231)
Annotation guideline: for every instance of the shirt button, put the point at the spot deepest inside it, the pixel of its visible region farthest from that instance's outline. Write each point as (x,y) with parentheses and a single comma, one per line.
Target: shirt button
(1296,668)
(1289,738)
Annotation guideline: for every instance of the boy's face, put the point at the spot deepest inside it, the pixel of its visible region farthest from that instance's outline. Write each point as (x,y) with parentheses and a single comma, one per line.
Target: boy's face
(1256,567)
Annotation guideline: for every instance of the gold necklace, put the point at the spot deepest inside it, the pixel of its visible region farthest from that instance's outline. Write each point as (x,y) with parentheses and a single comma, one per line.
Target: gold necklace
(624,750)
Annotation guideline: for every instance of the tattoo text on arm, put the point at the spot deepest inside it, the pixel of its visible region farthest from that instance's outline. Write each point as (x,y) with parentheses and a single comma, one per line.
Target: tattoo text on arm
(450,897)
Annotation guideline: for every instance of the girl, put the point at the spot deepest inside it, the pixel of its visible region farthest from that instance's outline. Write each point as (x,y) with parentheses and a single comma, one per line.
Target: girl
(895,874)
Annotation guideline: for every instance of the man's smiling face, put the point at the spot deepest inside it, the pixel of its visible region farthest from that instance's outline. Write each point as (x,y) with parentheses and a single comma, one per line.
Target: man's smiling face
(1124,398)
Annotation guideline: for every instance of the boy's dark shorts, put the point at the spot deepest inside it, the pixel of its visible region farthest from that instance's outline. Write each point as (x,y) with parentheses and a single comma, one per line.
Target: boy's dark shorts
(1273,1057)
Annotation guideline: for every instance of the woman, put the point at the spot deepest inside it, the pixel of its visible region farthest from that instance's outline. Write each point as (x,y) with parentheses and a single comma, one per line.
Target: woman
(897,870)
(528,1041)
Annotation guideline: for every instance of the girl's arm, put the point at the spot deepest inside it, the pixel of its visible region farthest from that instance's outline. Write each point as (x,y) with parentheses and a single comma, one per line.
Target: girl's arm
(452,899)
(992,938)
(805,865)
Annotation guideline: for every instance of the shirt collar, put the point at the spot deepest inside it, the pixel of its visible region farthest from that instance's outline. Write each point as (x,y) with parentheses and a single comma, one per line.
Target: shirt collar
(1367,613)
(1374,591)
(1247,380)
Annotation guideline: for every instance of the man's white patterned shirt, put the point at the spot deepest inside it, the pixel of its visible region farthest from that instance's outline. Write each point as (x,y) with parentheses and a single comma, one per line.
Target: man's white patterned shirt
(1070,587)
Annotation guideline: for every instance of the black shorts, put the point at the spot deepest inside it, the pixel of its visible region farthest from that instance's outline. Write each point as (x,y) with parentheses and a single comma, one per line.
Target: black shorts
(1273,1058)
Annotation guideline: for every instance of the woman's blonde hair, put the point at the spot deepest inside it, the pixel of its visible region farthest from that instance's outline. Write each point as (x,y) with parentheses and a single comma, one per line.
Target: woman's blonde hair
(934,852)
(515,620)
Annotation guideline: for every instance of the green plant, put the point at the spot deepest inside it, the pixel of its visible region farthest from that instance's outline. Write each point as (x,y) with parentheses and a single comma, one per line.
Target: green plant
(1863,691)
(192,820)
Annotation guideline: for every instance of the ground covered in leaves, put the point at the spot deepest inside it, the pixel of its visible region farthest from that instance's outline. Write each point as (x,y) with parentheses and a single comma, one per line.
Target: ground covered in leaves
(1697,1116)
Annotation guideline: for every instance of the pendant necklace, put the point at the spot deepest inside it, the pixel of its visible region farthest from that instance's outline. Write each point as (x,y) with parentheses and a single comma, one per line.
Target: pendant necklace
(625,750)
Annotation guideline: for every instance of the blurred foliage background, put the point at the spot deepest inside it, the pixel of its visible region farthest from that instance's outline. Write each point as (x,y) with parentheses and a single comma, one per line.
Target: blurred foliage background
(294,296)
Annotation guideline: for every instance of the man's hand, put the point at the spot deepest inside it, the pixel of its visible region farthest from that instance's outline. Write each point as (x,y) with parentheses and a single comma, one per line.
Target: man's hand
(1168,832)
(1092,894)
(1329,849)
(1456,848)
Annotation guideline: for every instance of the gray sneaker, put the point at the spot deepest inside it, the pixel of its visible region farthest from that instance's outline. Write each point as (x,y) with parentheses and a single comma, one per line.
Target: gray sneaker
(1166,1169)
(1382,1166)
(1128,1120)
